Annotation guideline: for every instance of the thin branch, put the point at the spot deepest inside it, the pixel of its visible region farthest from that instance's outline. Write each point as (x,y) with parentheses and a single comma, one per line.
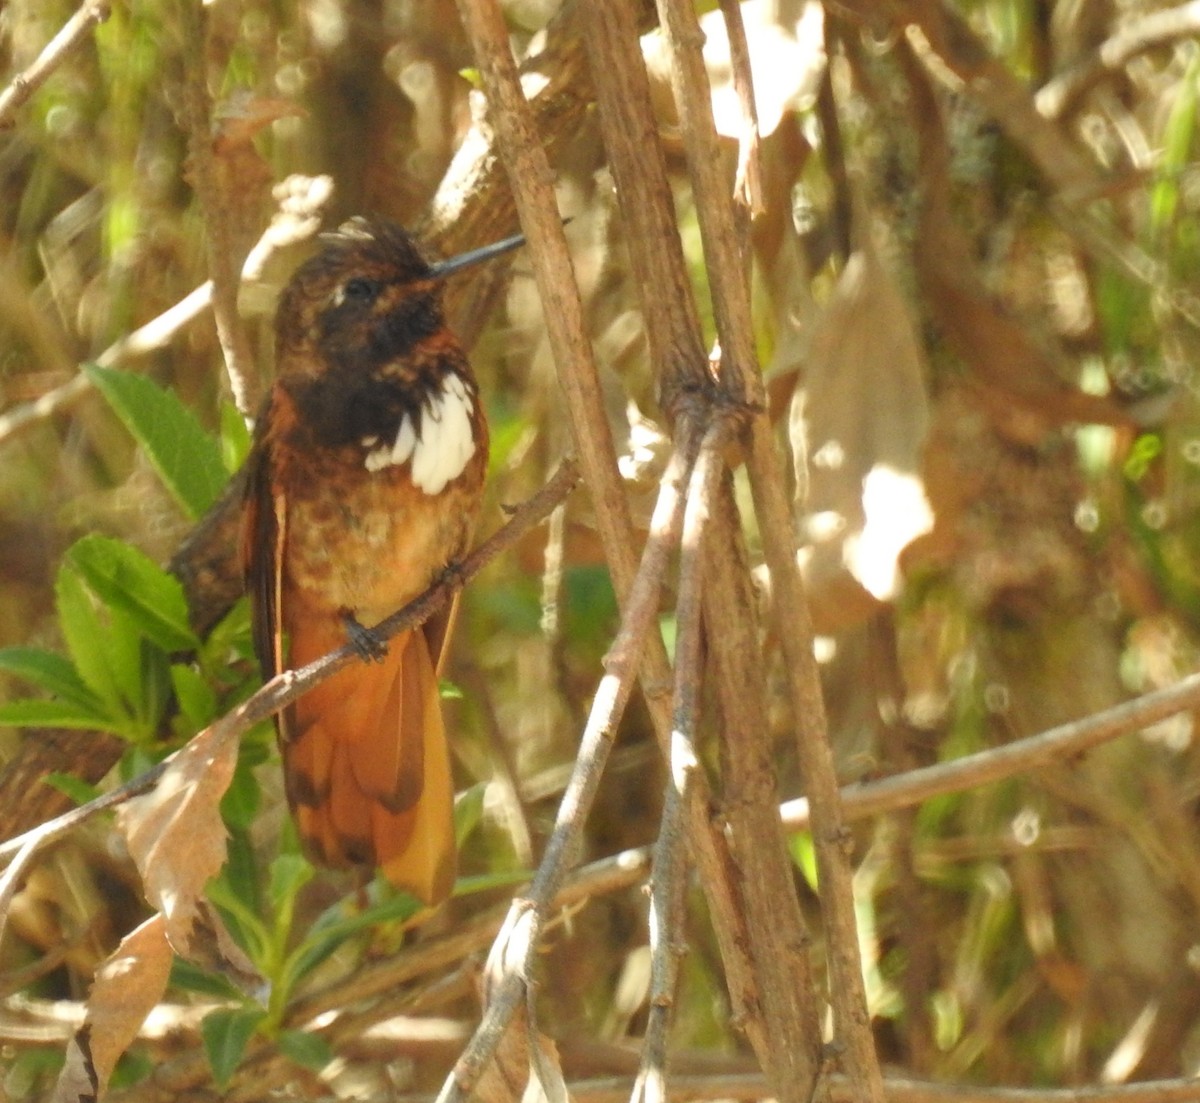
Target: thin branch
(72,35)
(14,875)
(530,178)
(1061,95)
(686,393)
(670,852)
(290,684)
(754,1086)
(302,200)
(998,763)
(748,180)
(511,960)
(223,265)
(784,1001)
(643,191)
(742,383)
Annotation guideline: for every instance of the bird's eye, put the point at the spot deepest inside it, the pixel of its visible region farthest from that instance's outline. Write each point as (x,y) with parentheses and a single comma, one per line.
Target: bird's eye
(359,290)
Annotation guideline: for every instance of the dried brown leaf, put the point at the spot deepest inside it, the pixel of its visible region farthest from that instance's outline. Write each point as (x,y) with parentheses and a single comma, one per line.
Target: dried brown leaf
(176,836)
(858,426)
(126,989)
(526,1068)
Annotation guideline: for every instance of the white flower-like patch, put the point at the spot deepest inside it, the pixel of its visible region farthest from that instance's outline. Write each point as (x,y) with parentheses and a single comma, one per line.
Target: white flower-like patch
(440,449)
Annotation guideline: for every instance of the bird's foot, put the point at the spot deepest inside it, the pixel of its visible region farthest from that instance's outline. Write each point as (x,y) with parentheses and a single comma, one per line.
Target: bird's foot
(452,575)
(365,641)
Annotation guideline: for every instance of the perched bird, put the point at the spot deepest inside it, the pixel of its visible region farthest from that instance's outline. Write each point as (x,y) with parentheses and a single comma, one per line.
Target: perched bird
(363,484)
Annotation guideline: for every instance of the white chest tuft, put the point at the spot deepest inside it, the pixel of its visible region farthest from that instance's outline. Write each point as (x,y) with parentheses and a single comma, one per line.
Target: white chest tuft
(438,444)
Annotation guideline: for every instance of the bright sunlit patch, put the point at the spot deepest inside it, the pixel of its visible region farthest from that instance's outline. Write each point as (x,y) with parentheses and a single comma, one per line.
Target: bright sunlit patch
(897,512)
(831,455)
(824,648)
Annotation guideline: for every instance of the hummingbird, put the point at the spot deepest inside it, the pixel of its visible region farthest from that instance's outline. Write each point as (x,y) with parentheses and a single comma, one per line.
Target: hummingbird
(364,482)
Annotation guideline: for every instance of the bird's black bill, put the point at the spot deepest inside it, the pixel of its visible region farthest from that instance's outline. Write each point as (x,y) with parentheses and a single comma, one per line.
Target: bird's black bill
(445,268)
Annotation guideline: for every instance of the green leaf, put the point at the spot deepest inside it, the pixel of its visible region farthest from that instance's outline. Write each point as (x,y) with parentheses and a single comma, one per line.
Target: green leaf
(235,437)
(242,877)
(334,926)
(76,788)
(226,1033)
(242,799)
(468,812)
(191,978)
(132,1068)
(804,855)
(1177,141)
(196,698)
(153,690)
(238,912)
(86,638)
(32,713)
(127,579)
(289,874)
(186,458)
(131,673)
(51,672)
(309,1050)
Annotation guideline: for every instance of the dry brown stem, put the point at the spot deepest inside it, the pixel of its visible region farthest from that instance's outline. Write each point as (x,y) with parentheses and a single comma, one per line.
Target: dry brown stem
(223,263)
(639,170)
(686,392)
(742,384)
(72,35)
(1021,756)
(1060,96)
(529,176)
(748,180)
(785,1000)
(669,875)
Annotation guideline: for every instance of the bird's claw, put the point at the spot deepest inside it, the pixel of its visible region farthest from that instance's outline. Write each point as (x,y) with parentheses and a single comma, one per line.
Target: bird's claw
(453,575)
(365,641)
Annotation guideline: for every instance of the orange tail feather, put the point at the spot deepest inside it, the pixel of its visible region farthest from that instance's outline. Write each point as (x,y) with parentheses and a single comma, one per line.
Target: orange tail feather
(367,767)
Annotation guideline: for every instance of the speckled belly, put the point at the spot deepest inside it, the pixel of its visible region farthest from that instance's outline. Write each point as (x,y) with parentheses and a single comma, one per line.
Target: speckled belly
(371,544)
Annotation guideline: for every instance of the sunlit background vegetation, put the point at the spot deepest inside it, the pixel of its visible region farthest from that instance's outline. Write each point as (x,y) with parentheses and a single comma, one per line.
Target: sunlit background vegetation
(985,374)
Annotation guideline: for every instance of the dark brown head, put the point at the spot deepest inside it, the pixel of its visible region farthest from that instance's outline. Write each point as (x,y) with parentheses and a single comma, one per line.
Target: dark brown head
(361,342)
(366,301)
(367,298)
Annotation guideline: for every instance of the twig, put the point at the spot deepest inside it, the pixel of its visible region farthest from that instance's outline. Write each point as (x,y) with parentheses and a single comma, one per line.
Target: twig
(670,852)
(752,1086)
(784,1001)
(790,608)
(748,182)
(301,200)
(529,176)
(997,763)
(639,170)
(290,684)
(13,875)
(72,35)
(1061,95)
(686,389)
(515,947)
(223,265)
